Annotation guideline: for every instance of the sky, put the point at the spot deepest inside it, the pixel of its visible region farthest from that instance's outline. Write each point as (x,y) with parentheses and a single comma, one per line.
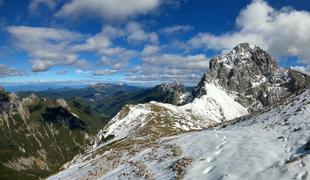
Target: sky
(142,42)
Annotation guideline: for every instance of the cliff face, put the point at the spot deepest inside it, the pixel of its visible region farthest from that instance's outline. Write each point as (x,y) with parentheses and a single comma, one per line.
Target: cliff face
(254,75)
(173,93)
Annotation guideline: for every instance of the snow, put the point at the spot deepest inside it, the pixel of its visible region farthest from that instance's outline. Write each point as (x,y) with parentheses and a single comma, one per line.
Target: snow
(216,105)
(184,97)
(121,127)
(252,46)
(257,148)
(234,153)
(268,145)
(257,83)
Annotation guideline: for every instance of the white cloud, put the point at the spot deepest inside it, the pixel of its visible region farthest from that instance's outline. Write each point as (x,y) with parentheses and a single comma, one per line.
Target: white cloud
(82,72)
(176,28)
(187,68)
(94,43)
(150,49)
(303,69)
(104,72)
(101,40)
(62,72)
(35,4)
(114,56)
(108,9)
(48,47)
(136,34)
(6,71)
(282,32)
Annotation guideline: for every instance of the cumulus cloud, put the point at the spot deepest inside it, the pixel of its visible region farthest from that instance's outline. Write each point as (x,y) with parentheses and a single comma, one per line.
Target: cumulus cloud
(6,71)
(108,9)
(176,28)
(101,40)
(283,32)
(112,55)
(186,68)
(150,49)
(136,34)
(48,47)
(104,72)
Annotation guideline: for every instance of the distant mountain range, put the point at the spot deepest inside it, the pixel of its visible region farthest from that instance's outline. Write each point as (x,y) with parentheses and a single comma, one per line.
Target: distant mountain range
(108,99)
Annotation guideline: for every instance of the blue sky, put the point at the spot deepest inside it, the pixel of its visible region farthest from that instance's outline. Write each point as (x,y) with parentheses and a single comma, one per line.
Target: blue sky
(142,42)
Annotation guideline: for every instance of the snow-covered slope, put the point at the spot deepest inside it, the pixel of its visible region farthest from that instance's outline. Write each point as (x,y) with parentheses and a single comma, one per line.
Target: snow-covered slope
(216,106)
(270,145)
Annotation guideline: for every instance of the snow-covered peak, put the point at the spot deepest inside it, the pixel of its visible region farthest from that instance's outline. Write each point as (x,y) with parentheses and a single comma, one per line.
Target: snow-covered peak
(254,75)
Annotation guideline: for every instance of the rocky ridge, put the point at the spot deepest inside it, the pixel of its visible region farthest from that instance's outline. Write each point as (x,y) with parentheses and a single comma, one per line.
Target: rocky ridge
(254,76)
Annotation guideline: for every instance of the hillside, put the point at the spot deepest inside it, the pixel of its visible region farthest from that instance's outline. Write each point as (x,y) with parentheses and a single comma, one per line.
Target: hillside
(39,135)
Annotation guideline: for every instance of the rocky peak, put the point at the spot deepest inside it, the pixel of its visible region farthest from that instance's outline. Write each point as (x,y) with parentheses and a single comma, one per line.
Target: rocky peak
(253,75)
(174,86)
(173,93)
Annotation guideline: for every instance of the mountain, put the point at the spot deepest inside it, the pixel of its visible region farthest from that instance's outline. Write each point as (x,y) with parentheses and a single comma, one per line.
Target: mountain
(254,76)
(38,135)
(108,99)
(245,108)
(271,145)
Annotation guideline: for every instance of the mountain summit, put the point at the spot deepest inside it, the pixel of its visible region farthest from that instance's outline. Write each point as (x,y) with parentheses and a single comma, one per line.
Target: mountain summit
(254,76)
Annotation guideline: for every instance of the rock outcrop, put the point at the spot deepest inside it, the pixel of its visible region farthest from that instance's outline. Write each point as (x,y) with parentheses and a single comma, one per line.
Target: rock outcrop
(173,93)
(254,76)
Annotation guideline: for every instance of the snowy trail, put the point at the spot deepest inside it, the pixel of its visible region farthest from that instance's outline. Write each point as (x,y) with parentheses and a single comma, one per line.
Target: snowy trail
(240,152)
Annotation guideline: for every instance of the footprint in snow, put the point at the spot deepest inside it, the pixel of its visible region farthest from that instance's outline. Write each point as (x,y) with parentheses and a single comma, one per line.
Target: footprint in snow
(211,159)
(302,163)
(286,138)
(288,150)
(208,170)
(218,152)
(219,146)
(302,175)
(223,142)
(224,138)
